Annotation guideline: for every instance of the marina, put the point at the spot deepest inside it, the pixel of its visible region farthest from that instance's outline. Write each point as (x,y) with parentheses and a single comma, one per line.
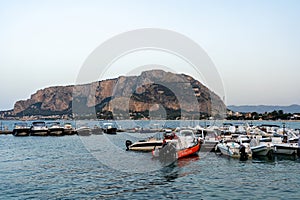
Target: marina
(228,138)
(72,172)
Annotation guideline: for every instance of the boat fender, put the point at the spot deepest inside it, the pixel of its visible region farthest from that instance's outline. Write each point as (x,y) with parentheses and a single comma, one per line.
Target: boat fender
(128,143)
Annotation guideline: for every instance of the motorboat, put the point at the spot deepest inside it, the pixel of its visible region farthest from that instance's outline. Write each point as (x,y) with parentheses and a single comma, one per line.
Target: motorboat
(109,128)
(269,128)
(38,128)
(186,144)
(282,147)
(261,146)
(235,149)
(144,145)
(208,139)
(84,131)
(21,129)
(150,143)
(68,129)
(55,129)
(96,130)
(228,128)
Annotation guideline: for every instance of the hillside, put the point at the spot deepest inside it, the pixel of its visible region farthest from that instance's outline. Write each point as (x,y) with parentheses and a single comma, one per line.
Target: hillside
(154,93)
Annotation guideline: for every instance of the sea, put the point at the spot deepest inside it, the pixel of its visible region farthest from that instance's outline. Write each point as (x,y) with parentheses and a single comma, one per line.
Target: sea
(99,167)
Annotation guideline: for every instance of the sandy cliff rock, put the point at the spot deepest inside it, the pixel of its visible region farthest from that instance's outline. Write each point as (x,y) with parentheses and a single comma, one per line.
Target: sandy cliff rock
(124,95)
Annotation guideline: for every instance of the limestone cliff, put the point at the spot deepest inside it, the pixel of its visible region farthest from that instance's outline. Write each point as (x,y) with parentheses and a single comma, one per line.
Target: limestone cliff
(153,91)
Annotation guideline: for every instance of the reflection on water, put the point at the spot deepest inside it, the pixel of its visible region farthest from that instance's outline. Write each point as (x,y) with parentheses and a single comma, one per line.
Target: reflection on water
(275,158)
(174,170)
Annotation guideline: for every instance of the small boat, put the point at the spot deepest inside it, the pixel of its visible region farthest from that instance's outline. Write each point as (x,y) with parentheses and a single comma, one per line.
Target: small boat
(68,129)
(144,145)
(261,147)
(227,128)
(55,129)
(84,131)
(208,139)
(109,128)
(38,128)
(234,149)
(97,130)
(269,128)
(185,145)
(286,148)
(21,129)
(153,142)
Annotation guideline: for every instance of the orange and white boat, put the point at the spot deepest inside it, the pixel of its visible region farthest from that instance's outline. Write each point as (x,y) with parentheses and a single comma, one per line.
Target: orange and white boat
(185,145)
(188,151)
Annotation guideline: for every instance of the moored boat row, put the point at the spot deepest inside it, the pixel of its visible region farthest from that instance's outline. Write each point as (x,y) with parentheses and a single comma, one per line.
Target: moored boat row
(40,128)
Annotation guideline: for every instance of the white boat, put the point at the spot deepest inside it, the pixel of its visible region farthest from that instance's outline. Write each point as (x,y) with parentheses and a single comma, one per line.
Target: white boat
(55,129)
(261,147)
(208,139)
(227,129)
(286,148)
(233,149)
(38,128)
(109,128)
(144,145)
(96,130)
(269,128)
(84,131)
(21,129)
(68,129)
(150,143)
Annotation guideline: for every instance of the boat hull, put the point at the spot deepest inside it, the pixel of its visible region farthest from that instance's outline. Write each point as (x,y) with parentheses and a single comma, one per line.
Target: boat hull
(97,131)
(189,151)
(261,150)
(112,131)
(177,154)
(56,132)
(39,133)
(69,131)
(208,146)
(84,132)
(145,146)
(21,132)
(286,149)
(233,152)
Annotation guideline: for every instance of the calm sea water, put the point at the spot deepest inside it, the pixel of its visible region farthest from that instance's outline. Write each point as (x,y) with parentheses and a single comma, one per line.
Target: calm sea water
(73,167)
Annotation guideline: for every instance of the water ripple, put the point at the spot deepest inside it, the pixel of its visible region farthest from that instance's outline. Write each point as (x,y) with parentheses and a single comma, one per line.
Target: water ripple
(62,168)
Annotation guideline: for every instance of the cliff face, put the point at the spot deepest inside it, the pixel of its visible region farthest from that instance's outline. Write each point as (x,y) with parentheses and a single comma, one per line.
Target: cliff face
(125,96)
(53,99)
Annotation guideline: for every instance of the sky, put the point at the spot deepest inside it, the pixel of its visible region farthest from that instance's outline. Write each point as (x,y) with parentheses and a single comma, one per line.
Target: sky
(254,45)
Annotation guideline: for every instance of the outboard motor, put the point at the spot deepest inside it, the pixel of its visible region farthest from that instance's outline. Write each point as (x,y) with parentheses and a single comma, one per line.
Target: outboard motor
(167,154)
(243,154)
(128,143)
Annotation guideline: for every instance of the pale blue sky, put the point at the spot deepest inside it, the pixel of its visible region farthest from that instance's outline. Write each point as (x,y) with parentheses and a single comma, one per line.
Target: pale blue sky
(255,45)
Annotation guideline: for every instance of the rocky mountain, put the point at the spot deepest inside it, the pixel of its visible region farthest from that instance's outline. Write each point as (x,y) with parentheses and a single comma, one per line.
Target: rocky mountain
(153,94)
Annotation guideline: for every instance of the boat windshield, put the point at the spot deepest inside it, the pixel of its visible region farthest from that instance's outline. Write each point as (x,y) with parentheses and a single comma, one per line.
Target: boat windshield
(21,124)
(38,124)
(53,124)
(186,133)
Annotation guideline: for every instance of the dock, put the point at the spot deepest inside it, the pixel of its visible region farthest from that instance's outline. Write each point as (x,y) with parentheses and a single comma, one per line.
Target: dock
(6,132)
